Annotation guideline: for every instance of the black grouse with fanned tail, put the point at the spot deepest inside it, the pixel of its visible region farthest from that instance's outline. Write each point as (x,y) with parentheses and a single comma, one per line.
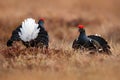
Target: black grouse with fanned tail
(91,42)
(31,34)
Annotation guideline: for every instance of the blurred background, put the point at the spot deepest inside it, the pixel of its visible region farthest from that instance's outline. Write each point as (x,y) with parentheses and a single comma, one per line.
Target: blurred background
(62,17)
(61,20)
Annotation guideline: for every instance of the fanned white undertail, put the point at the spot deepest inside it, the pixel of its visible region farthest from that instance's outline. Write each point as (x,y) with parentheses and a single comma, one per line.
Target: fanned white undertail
(29,30)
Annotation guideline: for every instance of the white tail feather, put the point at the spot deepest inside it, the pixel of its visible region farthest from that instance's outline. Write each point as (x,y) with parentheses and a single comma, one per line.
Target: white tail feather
(29,30)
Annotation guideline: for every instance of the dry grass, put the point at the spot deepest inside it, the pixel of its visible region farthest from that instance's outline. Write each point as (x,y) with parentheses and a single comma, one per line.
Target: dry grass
(60,62)
(56,64)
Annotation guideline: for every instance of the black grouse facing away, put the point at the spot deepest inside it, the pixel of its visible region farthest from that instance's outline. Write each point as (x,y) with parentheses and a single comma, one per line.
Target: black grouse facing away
(31,34)
(91,42)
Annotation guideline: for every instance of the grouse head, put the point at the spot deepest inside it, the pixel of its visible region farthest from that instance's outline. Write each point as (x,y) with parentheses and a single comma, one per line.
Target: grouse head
(41,21)
(81,28)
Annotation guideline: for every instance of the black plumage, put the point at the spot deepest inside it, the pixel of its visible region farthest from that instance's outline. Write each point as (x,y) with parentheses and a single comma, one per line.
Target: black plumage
(102,42)
(42,40)
(15,36)
(91,42)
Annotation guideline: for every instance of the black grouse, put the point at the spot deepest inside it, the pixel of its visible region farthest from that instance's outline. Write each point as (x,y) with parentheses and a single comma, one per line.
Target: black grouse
(91,42)
(31,34)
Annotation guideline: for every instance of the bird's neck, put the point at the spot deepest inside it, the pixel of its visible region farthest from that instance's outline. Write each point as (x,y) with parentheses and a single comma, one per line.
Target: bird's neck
(82,33)
(41,23)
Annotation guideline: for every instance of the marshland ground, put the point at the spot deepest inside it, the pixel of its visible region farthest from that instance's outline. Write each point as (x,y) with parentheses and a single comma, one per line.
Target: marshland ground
(60,62)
